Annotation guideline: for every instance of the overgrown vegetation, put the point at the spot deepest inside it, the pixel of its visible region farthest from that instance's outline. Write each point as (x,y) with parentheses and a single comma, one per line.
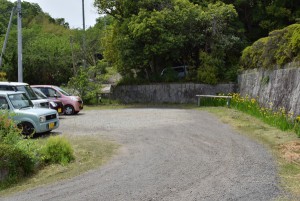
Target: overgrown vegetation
(21,157)
(57,150)
(89,152)
(279,119)
(279,48)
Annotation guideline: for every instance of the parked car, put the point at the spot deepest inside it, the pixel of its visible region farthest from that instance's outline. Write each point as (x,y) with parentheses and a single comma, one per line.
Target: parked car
(31,120)
(20,86)
(53,103)
(72,104)
(181,71)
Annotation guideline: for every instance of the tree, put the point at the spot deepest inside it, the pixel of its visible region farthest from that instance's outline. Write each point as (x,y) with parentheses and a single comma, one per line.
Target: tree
(164,33)
(47,53)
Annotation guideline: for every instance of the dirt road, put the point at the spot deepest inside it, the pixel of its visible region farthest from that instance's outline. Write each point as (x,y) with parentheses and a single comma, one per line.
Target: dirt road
(166,154)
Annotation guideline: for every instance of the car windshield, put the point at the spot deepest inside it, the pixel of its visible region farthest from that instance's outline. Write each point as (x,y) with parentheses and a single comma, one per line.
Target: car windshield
(28,90)
(20,101)
(62,91)
(40,94)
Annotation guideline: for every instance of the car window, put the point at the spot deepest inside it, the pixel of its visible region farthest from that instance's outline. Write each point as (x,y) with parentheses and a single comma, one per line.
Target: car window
(30,93)
(52,93)
(45,91)
(39,93)
(20,101)
(62,91)
(6,88)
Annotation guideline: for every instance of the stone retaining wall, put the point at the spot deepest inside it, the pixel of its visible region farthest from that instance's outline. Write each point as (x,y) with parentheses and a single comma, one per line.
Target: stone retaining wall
(273,88)
(168,93)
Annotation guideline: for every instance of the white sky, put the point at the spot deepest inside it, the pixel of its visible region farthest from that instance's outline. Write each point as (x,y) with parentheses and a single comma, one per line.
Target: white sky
(71,10)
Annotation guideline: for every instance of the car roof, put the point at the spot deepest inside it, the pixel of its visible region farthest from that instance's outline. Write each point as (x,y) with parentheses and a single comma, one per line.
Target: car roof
(13,83)
(11,92)
(42,85)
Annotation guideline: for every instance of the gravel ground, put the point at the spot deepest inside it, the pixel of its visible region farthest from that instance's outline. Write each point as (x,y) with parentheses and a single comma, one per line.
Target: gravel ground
(166,154)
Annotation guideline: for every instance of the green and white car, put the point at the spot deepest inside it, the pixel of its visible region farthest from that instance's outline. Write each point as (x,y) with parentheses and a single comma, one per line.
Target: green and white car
(31,120)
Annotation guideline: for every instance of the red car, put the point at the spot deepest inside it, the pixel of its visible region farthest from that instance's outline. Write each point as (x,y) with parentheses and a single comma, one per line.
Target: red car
(53,104)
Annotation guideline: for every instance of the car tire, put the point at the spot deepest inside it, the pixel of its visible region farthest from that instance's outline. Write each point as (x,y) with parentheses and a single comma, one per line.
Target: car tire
(27,128)
(69,110)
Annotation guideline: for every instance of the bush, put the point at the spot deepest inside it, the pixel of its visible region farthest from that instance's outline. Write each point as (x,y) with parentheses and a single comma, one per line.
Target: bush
(9,133)
(32,148)
(279,48)
(57,150)
(14,164)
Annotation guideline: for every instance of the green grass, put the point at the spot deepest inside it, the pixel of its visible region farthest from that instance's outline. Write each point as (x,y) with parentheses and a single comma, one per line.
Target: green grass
(90,152)
(279,119)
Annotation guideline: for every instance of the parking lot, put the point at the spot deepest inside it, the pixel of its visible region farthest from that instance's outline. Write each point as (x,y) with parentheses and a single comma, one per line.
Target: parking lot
(166,154)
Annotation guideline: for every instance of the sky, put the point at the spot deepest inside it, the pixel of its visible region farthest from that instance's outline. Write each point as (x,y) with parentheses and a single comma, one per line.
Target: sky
(71,10)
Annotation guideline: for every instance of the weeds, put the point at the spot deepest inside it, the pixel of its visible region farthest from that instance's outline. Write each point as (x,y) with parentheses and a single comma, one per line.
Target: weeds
(279,119)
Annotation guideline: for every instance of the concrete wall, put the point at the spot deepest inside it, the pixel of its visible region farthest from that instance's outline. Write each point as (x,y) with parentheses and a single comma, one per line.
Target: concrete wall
(168,93)
(273,88)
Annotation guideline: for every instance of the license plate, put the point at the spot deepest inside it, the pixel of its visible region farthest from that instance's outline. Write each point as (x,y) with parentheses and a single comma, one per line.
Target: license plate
(51,125)
(59,110)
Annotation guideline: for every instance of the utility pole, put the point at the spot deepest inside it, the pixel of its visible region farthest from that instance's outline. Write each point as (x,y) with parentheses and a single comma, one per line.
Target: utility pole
(6,36)
(20,65)
(83,38)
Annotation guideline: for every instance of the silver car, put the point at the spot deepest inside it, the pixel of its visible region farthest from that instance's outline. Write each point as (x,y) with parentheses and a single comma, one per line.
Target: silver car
(21,86)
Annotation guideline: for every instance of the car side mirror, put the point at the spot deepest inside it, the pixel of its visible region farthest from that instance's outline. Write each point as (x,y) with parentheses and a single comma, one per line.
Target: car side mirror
(4,107)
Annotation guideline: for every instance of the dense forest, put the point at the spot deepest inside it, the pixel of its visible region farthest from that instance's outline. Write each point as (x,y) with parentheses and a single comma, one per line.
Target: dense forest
(140,38)
(52,53)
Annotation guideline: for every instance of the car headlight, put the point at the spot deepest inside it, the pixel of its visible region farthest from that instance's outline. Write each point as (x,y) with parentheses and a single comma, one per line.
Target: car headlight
(42,119)
(53,104)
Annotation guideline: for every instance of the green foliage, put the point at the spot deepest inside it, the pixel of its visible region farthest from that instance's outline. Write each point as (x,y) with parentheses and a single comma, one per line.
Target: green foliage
(279,119)
(281,47)
(170,75)
(9,133)
(157,34)
(15,159)
(84,84)
(57,150)
(32,149)
(262,16)
(207,72)
(14,164)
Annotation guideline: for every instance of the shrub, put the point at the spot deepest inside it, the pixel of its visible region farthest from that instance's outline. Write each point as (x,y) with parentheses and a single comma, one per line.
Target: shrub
(9,133)
(14,163)
(32,148)
(279,48)
(208,70)
(57,150)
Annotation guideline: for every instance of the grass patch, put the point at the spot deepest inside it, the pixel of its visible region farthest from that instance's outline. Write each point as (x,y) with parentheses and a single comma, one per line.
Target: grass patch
(276,140)
(90,152)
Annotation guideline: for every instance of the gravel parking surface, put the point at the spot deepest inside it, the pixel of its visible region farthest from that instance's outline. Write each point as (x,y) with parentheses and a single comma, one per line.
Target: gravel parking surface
(166,154)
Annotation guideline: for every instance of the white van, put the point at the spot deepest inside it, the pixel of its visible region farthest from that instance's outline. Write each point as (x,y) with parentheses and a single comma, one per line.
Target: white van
(20,86)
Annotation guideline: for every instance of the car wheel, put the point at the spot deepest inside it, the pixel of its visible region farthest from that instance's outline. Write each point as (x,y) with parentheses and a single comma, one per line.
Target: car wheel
(26,128)
(69,109)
